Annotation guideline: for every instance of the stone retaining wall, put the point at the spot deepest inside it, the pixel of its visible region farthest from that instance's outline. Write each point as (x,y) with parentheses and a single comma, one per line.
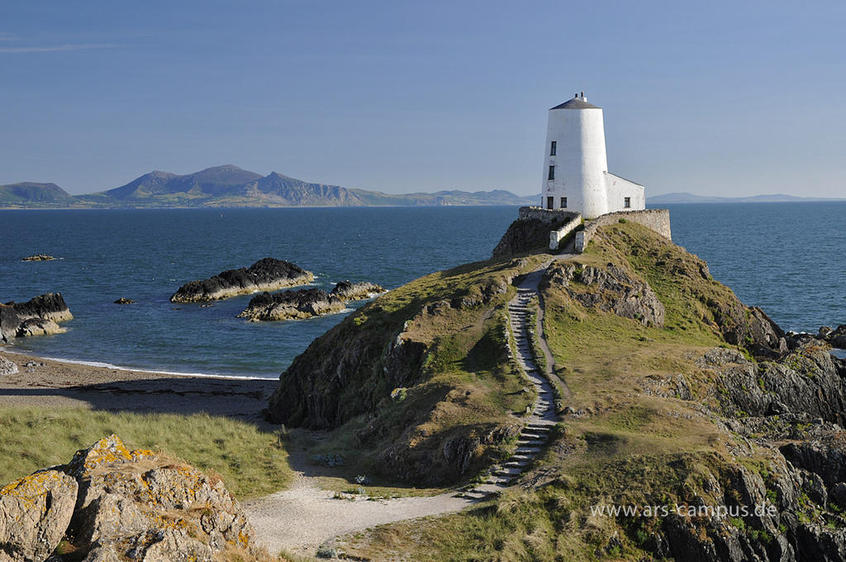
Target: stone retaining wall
(653,219)
(546,215)
(556,236)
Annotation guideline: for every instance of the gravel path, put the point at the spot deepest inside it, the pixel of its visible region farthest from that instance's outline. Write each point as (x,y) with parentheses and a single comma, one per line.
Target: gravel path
(304,517)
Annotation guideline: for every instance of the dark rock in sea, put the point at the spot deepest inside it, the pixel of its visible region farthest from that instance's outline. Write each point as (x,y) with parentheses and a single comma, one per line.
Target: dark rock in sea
(267,274)
(291,305)
(110,503)
(348,291)
(39,257)
(610,289)
(124,300)
(38,316)
(836,337)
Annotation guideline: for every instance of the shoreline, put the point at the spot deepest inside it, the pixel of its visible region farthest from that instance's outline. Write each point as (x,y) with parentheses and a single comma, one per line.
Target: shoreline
(50,383)
(112,366)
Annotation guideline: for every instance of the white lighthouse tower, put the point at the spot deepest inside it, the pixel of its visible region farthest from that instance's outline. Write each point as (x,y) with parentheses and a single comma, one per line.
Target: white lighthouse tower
(575,172)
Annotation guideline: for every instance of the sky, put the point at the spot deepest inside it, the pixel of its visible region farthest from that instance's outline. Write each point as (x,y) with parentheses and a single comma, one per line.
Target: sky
(713,98)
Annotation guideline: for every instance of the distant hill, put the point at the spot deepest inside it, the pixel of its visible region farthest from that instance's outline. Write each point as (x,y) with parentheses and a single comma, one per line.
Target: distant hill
(681,198)
(231,186)
(34,194)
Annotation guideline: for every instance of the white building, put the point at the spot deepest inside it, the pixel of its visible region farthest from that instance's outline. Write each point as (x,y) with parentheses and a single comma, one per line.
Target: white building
(575,172)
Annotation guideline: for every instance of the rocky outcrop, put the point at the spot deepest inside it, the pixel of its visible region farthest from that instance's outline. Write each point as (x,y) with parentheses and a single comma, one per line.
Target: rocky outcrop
(115,504)
(124,300)
(809,383)
(348,291)
(609,289)
(305,303)
(292,305)
(267,274)
(7,367)
(525,236)
(35,511)
(39,257)
(38,316)
(836,337)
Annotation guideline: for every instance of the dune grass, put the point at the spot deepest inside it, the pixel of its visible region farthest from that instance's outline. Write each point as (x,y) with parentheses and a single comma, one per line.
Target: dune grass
(251,461)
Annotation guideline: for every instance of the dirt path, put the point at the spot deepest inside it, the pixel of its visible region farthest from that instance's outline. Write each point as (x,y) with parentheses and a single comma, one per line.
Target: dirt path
(303,517)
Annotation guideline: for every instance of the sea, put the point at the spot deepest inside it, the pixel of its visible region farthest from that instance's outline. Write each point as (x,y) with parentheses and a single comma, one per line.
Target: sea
(789,259)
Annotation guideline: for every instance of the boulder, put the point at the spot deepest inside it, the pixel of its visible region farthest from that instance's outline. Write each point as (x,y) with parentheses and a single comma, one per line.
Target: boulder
(124,300)
(38,316)
(111,503)
(291,305)
(267,274)
(7,367)
(348,291)
(34,514)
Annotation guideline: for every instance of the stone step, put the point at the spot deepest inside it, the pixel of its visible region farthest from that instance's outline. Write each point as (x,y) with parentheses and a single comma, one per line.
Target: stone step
(509,471)
(527,436)
(519,463)
(531,451)
(498,480)
(532,440)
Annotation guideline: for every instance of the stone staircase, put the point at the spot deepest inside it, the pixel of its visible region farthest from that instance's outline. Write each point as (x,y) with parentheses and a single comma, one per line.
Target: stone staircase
(535,433)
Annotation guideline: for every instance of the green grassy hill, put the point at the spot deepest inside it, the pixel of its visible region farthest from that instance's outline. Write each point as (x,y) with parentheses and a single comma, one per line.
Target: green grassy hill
(34,194)
(681,396)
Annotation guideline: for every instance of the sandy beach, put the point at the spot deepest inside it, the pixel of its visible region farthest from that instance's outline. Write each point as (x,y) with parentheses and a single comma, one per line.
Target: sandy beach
(57,384)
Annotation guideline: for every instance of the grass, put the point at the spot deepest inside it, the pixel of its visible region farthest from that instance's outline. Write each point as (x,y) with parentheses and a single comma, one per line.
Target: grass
(250,461)
(462,389)
(628,447)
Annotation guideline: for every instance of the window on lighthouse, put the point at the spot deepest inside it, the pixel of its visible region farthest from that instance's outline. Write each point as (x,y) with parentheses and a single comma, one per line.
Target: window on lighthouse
(549,201)
(563,202)
(551,175)
(553,148)
(627,202)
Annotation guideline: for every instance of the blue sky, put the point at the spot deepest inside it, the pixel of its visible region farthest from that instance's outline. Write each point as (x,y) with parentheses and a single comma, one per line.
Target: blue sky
(724,98)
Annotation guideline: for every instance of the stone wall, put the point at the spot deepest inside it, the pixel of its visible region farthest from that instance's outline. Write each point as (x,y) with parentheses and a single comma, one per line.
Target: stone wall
(653,219)
(556,236)
(546,215)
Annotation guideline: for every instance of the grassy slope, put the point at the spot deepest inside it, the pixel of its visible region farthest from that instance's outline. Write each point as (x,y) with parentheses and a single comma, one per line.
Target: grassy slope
(251,462)
(464,387)
(629,447)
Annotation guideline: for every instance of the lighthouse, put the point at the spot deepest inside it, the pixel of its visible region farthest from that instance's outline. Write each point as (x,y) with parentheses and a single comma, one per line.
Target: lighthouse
(575,172)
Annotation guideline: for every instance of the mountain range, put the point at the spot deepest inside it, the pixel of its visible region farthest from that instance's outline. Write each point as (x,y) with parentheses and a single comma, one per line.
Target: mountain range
(679,198)
(231,186)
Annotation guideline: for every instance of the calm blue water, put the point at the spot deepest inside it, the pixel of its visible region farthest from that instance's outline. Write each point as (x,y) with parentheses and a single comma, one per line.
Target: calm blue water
(786,258)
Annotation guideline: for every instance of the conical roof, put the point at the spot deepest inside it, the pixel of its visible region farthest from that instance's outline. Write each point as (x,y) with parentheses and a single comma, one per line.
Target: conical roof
(576,103)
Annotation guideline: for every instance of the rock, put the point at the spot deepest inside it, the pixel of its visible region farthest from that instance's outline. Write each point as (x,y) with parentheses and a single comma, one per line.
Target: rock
(527,235)
(824,457)
(115,504)
(267,274)
(38,327)
(610,289)
(34,514)
(124,300)
(7,367)
(347,291)
(38,316)
(836,337)
(810,382)
(291,305)
(838,494)
(39,257)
